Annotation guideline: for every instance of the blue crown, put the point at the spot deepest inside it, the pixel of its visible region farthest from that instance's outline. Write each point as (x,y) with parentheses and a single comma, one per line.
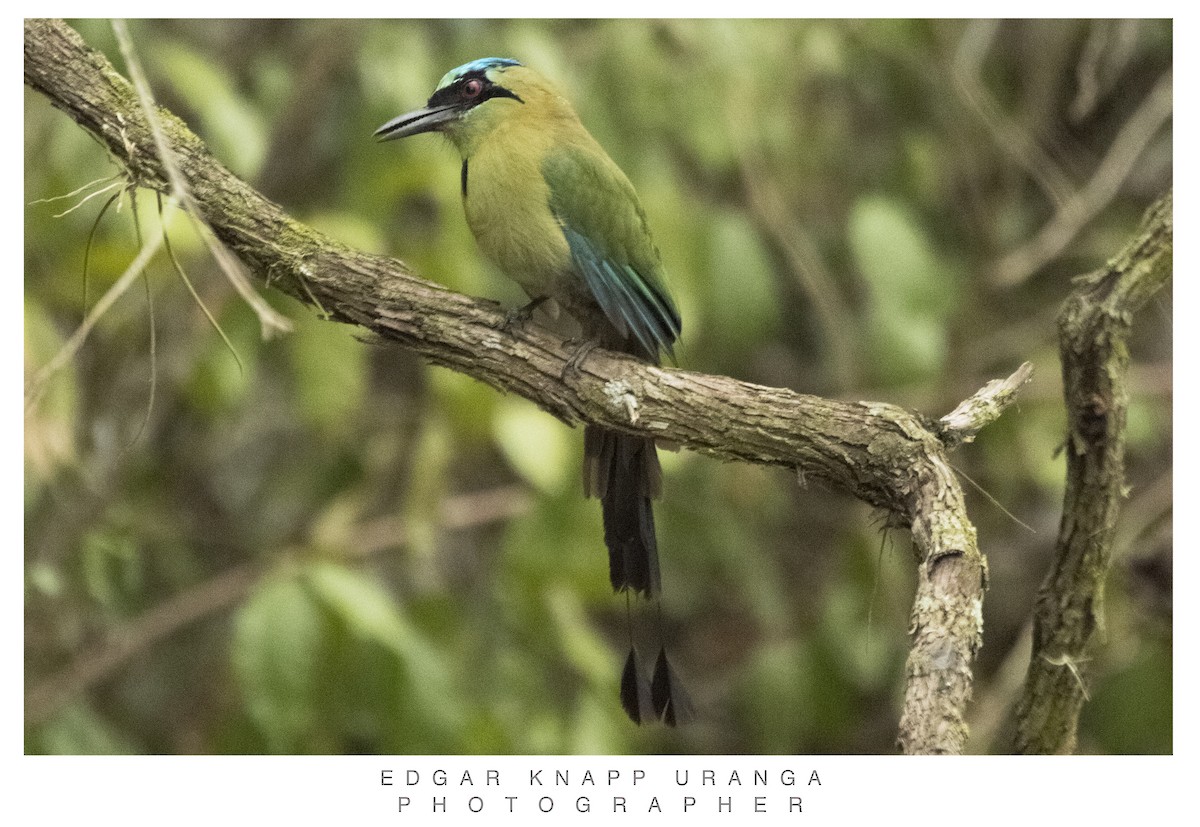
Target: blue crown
(480,65)
(483,64)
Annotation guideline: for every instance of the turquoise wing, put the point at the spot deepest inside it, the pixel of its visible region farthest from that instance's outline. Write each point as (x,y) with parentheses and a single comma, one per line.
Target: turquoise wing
(611,247)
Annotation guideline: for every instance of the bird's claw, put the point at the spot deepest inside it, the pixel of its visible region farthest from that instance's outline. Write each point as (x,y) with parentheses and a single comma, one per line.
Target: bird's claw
(575,362)
(519,316)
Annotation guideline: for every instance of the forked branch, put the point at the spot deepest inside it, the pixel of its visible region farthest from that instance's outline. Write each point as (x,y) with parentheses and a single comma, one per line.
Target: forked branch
(885,455)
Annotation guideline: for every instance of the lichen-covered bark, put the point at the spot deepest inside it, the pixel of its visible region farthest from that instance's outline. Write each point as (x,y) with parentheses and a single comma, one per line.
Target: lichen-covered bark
(880,453)
(947,618)
(1094,326)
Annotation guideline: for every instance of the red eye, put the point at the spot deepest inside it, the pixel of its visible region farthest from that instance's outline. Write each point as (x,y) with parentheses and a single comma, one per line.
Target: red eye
(472,88)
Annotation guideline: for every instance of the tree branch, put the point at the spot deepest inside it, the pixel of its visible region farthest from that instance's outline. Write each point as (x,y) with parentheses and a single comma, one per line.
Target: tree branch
(1094,326)
(1085,204)
(983,407)
(887,456)
(48,695)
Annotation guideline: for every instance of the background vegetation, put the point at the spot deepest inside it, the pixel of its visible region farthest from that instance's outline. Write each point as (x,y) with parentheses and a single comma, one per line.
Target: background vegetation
(336,548)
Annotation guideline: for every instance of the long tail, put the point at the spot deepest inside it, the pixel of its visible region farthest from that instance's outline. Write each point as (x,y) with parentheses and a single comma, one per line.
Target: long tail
(623,471)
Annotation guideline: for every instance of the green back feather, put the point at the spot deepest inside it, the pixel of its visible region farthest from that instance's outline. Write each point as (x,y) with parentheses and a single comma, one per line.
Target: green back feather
(610,244)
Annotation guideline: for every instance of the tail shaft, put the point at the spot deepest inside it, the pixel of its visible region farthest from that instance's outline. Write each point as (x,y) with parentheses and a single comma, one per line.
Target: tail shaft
(623,471)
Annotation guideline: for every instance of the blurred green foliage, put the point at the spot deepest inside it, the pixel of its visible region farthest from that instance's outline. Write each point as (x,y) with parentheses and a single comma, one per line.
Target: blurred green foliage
(339,549)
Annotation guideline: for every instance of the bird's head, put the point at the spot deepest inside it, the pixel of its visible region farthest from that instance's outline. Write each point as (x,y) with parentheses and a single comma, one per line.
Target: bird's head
(475,98)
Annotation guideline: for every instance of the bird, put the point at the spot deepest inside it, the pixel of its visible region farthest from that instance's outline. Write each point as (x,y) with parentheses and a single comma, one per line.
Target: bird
(556,214)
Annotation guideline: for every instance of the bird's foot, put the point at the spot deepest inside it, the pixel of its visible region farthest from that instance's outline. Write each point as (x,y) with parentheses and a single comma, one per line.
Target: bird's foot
(575,362)
(519,316)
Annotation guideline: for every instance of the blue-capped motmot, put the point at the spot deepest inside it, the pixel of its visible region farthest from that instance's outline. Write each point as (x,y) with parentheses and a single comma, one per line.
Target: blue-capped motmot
(559,217)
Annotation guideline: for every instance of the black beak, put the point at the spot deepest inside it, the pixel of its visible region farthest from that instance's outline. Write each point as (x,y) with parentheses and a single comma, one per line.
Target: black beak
(429,119)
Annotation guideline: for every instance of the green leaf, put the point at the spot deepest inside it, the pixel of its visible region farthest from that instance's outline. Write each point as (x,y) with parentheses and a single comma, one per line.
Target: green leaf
(77,730)
(373,615)
(864,655)
(1123,726)
(581,645)
(823,49)
(911,293)
(362,603)
(536,444)
(896,256)
(466,404)
(278,637)
(906,349)
(348,228)
(774,671)
(218,384)
(50,427)
(111,567)
(744,303)
(330,372)
(231,124)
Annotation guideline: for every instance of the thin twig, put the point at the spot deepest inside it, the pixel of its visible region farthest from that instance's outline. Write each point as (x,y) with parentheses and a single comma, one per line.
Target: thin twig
(87,247)
(768,206)
(456,512)
(101,663)
(1108,48)
(44,698)
(993,500)
(87,198)
(36,386)
(983,407)
(1085,204)
(1007,135)
(994,703)
(150,323)
(270,320)
(212,320)
(107,179)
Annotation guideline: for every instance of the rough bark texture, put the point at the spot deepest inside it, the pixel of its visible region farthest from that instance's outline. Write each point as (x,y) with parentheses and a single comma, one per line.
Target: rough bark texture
(1094,326)
(880,453)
